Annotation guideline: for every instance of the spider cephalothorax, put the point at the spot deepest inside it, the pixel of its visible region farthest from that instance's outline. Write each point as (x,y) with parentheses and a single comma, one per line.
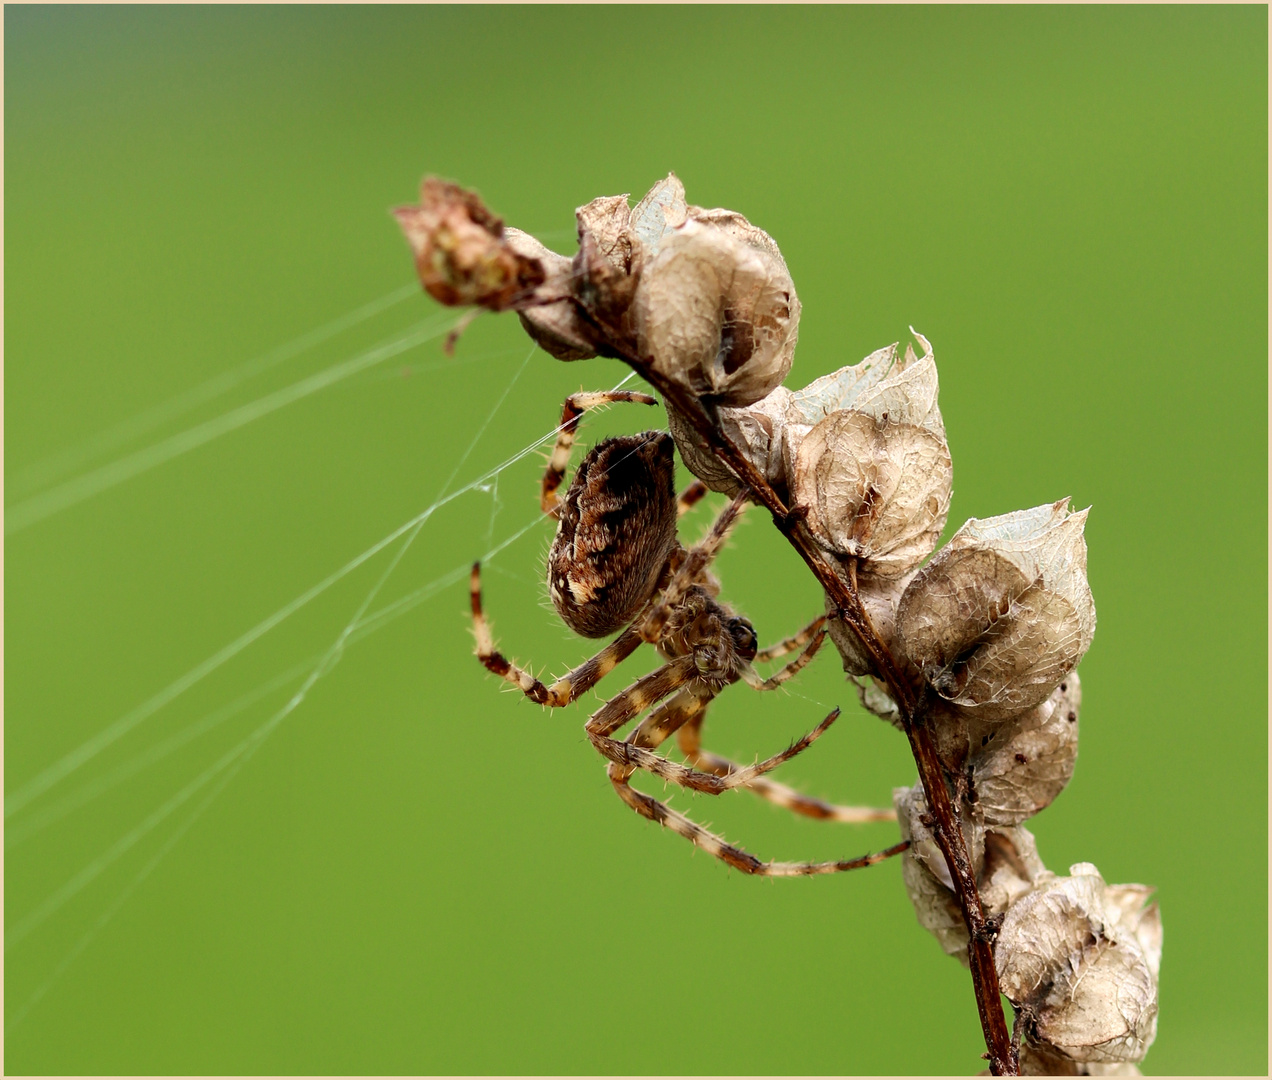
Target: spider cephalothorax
(616,563)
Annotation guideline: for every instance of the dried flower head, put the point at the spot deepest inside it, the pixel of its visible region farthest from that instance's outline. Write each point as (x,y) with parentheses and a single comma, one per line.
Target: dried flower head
(460,251)
(1003,612)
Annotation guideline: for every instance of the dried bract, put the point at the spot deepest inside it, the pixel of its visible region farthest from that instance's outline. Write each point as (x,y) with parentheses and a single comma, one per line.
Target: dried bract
(1020,767)
(717,314)
(1005,861)
(1003,612)
(874,489)
(461,254)
(1082,958)
(557,326)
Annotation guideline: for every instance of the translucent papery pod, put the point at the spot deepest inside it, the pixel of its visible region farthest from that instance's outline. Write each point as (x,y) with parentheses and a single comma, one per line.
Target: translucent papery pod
(558,327)
(874,489)
(902,388)
(1019,768)
(1005,860)
(756,430)
(879,596)
(1082,959)
(1003,612)
(717,314)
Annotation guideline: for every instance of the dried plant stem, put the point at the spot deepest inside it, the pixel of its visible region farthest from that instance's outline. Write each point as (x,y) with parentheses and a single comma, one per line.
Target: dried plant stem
(949,837)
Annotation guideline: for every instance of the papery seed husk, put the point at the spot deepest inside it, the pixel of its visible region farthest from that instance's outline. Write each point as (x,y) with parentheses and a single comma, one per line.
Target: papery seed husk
(1074,953)
(873,489)
(608,221)
(557,327)
(716,315)
(1003,612)
(752,429)
(1027,761)
(879,596)
(935,905)
(911,806)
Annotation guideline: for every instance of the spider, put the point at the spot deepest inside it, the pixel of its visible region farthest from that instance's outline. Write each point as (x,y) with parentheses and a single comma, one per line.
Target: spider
(616,562)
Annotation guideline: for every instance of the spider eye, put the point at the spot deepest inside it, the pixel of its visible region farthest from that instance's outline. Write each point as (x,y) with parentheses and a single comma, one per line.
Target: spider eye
(743,635)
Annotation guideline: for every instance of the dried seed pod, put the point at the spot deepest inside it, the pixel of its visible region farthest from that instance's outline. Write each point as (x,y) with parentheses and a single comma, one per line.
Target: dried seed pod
(1005,861)
(873,489)
(557,327)
(879,596)
(754,429)
(1021,766)
(717,314)
(934,902)
(1003,612)
(461,254)
(875,700)
(1082,959)
(912,809)
(1011,868)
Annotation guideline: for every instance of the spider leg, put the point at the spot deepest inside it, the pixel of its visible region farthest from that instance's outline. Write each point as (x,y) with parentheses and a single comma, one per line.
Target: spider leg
(651,689)
(689,736)
(567,688)
(736,857)
(782,648)
(691,569)
(571,413)
(637,750)
(790,670)
(690,497)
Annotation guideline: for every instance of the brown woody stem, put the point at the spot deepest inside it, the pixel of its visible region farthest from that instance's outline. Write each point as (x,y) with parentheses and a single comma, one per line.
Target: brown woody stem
(914,712)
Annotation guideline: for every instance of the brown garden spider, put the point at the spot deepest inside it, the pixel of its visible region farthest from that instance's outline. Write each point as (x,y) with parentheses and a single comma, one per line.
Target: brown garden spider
(616,562)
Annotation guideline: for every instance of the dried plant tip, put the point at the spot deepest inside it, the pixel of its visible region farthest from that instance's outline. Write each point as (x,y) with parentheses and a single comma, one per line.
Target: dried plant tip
(461,255)
(1082,958)
(716,313)
(1003,612)
(873,489)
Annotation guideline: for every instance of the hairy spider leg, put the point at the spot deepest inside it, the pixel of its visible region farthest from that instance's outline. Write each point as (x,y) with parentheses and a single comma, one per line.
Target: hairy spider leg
(571,413)
(637,750)
(567,688)
(692,570)
(690,497)
(689,737)
(683,707)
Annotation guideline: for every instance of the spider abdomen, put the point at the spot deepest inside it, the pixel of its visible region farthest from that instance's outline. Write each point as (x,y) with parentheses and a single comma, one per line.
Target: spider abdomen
(617,528)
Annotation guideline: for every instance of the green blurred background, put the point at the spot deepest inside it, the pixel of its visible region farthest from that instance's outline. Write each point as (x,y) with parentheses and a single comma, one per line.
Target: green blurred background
(416,872)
